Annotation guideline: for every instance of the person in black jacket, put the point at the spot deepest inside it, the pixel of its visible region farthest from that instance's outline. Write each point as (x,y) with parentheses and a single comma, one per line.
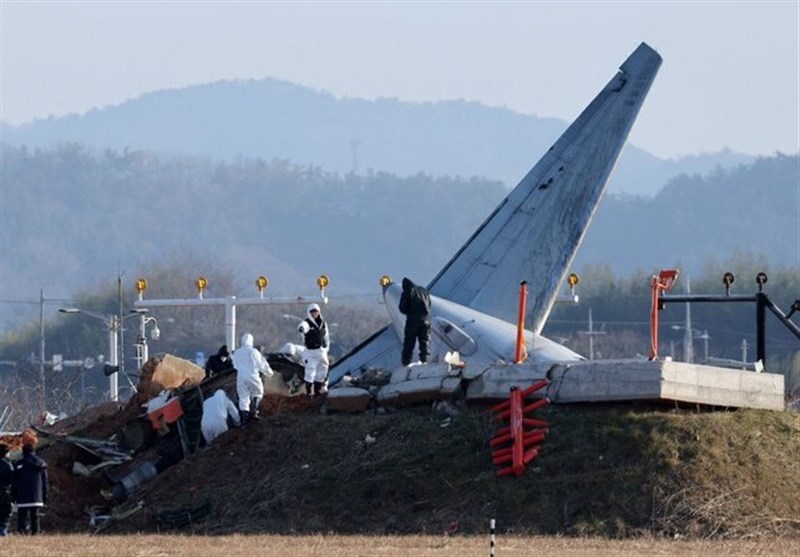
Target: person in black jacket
(29,489)
(219,362)
(415,304)
(6,477)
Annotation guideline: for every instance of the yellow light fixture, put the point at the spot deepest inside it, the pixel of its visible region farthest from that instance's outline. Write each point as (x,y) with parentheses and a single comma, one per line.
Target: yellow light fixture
(141,285)
(573,279)
(201,283)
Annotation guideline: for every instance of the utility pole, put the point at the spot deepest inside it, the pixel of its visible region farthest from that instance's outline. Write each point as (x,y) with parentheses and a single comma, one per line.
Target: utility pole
(744,353)
(688,342)
(591,333)
(120,325)
(41,351)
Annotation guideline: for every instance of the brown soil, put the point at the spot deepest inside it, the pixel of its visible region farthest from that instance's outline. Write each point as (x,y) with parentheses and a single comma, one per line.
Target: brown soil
(613,471)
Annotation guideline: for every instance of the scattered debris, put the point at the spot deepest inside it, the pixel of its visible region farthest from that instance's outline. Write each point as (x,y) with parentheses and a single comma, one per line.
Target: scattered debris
(183,516)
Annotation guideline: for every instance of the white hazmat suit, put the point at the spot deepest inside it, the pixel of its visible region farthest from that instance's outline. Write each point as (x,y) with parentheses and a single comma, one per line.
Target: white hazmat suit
(249,364)
(216,410)
(315,358)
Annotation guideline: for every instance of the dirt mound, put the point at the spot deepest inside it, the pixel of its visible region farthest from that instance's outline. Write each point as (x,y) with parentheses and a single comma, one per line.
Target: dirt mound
(610,470)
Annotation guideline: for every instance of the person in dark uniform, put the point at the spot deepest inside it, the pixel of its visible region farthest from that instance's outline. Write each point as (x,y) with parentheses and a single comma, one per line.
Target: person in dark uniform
(6,477)
(415,304)
(29,489)
(219,362)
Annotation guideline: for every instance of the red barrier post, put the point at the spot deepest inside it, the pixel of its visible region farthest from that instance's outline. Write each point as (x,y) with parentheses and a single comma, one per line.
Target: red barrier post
(663,282)
(519,354)
(525,444)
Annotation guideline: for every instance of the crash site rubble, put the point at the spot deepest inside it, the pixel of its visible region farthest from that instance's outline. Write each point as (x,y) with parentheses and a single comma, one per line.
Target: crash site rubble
(98,459)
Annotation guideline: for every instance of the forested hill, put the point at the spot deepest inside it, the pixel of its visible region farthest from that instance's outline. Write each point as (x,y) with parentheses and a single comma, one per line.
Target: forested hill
(273,119)
(752,209)
(72,218)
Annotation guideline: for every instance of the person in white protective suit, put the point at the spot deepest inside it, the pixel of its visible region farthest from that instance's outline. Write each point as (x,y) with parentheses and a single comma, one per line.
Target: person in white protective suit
(250,364)
(315,358)
(216,410)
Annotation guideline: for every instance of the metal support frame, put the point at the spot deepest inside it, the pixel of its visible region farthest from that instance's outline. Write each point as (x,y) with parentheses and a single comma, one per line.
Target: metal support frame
(762,302)
(230,303)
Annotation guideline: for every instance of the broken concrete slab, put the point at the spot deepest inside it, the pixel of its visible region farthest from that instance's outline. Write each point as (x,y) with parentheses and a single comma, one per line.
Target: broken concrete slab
(348,399)
(413,392)
(399,374)
(496,381)
(616,380)
(473,370)
(431,370)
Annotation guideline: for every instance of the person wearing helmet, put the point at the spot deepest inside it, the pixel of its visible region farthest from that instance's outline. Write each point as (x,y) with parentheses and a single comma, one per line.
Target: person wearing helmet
(315,358)
(250,364)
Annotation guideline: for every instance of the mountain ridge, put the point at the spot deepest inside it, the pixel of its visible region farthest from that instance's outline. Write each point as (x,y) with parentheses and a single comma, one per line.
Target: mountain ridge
(276,119)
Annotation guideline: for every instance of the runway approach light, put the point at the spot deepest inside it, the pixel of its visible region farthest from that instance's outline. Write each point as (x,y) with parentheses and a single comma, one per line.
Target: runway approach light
(141,285)
(261,283)
(573,280)
(761,280)
(727,280)
(322,282)
(385,281)
(201,283)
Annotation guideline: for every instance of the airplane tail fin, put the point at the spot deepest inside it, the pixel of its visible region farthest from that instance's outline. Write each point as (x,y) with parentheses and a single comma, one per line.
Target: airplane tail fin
(534,233)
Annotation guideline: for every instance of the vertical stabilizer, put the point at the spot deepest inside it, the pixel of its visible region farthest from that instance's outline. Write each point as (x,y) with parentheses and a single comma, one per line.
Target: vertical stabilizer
(534,233)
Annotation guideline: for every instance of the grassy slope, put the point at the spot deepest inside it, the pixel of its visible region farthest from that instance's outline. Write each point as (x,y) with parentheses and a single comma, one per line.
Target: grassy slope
(607,470)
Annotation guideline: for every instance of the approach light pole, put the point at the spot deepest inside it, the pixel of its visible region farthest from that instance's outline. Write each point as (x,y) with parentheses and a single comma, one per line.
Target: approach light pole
(691,334)
(113,324)
(142,350)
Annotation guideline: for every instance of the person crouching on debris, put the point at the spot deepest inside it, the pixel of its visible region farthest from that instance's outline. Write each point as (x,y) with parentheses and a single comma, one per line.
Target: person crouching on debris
(250,364)
(415,304)
(29,489)
(315,357)
(6,477)
(219,362)
(217,409)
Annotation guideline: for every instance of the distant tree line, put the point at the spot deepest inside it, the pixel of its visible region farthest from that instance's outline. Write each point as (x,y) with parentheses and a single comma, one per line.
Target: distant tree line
(620,320)
(69,214)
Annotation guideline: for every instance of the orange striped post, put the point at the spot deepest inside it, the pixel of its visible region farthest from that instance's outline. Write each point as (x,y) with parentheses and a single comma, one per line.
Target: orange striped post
(520,353)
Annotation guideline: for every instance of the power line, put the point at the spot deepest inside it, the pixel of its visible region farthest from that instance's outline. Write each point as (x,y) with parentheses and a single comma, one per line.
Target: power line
(37,302)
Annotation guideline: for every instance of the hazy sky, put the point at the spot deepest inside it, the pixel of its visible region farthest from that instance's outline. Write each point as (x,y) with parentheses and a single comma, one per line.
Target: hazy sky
(729,77)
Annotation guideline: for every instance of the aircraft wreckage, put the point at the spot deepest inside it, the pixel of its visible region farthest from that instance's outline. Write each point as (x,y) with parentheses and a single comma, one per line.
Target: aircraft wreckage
(531,237)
